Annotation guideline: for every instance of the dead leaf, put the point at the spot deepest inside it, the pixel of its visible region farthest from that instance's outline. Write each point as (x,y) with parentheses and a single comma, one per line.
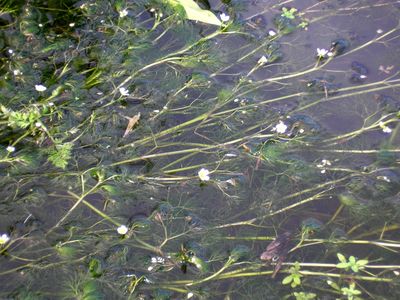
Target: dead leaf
(132,122)
(386,69)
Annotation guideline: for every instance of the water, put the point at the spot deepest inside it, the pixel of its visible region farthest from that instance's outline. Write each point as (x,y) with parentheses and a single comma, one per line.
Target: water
(295,144)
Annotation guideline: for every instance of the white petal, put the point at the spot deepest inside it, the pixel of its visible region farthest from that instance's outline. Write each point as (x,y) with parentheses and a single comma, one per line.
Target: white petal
(224,17)
(40,87)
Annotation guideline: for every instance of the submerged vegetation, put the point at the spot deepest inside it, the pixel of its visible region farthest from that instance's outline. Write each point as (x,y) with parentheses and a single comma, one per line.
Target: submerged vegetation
(153,149)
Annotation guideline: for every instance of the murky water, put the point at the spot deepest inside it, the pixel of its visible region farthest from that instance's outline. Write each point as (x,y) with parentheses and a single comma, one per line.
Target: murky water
(139,100)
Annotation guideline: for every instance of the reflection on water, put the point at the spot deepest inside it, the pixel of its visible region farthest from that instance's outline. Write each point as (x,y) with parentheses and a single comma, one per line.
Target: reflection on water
(283,123)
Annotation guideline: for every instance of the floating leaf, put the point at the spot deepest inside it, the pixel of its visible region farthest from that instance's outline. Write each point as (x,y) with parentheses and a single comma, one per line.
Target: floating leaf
(341,258)
(287,279)
(195,13)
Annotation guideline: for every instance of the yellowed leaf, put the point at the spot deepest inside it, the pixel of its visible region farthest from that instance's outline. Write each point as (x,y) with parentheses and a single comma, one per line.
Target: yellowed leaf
(131,123)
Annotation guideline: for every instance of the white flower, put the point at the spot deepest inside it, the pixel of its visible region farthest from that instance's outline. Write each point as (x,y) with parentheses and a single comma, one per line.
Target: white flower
(263,60)
(204,174)
(123,13)
(385,128)
(40,87)
(123,91)
(10,149)
(224,17)
(157,260)
(379,31)
(4,238)
(272,33)
(280,127)
(71,24)
(321,52)
(17,72)
(189,295)
(122,229)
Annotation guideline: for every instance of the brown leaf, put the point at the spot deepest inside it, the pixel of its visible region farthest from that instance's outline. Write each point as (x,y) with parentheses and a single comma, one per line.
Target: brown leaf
(132,122)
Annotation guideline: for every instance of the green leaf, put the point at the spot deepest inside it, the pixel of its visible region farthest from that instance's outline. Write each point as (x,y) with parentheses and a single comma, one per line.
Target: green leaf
(334,285)
(342,265)
(60,155)
(355,268)
(347,200)
(200,264)
(362,262)
(296,280)
(341,258)
(95,267)
(195,13)
(287,279)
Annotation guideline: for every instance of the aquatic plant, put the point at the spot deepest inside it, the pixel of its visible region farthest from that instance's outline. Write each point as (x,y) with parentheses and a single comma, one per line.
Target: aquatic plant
(153,149)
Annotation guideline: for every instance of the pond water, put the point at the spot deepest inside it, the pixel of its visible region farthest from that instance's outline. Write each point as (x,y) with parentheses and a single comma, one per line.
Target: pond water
(146,156)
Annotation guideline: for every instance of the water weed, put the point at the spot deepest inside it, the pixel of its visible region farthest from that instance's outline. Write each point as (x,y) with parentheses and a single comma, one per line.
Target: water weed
(176,149)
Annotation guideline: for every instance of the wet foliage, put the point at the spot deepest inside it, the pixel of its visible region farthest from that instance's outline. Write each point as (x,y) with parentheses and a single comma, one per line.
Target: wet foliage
(147,156)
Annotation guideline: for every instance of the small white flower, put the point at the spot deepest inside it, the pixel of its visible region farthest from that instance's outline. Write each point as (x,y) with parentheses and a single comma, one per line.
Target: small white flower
(40,25)
(324,163)
(122,229)
(322,52)
(51,103)
(71,24)
(10,149)
(224,17)
(123,13)
(11,51)
(123,91)
(40,87)
(363,76)
(379,31)
(280,127)
(272,33)
(4,238)
(17,72)
(385,128)
(150,268)
(157,260)
(204,174)
(38,124)
(263,60)
(189,295)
